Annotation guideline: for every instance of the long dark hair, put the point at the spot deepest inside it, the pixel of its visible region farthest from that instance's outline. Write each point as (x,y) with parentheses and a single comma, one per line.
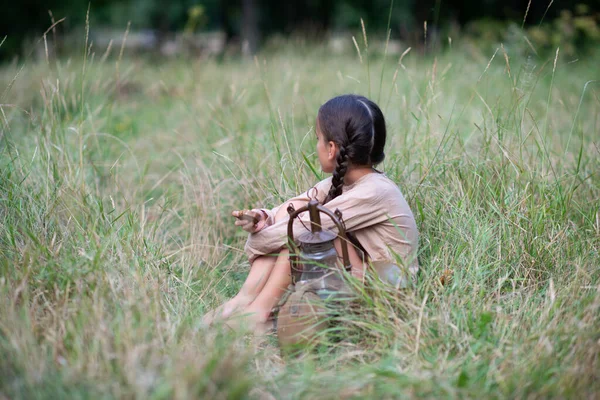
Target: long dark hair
(357,126)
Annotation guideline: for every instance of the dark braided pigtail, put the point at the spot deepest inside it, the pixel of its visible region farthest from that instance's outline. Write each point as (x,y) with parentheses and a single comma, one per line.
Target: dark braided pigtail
(337,180)
(356,125)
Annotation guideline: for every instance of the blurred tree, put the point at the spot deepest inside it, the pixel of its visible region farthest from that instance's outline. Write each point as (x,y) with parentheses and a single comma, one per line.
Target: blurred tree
(467,10)
(375,14)
(250,26)
(18,19)
(249,20)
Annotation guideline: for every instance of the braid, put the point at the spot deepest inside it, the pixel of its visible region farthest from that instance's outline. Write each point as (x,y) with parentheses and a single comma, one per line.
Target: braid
(338,174)
(357,127)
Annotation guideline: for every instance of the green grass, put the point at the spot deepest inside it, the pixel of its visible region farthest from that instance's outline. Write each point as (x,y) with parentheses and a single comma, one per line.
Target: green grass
(116,185)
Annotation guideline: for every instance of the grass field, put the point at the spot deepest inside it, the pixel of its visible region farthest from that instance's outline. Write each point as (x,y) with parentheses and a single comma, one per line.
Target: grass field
(117,177)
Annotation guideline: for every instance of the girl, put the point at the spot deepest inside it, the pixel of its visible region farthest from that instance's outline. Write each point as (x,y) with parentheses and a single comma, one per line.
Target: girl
(351,136)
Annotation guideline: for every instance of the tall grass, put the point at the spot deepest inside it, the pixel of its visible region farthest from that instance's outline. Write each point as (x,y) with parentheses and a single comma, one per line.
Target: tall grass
(117,179)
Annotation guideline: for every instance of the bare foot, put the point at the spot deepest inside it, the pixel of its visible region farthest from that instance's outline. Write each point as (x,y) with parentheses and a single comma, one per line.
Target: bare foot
(232,306)
(226,309)
(248,320)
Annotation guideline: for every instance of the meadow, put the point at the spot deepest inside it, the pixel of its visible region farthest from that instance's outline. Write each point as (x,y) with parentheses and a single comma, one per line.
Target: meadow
(118,174)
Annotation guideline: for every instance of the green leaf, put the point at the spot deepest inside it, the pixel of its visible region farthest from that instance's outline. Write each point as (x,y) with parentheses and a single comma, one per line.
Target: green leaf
(312,167)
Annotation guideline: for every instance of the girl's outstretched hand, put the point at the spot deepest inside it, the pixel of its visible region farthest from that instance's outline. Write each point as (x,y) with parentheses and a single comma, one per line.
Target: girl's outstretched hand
(249,220)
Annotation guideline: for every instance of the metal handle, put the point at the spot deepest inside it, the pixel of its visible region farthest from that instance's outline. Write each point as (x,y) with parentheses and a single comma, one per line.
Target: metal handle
(314,208)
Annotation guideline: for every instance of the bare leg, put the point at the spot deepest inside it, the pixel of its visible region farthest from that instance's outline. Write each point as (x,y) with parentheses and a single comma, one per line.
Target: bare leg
(260,272)
(257,278)
(259,310)
(275,287)
(280,278)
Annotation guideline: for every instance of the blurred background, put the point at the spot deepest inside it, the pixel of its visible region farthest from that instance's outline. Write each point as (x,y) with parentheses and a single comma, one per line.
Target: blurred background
(128,134)
(197,27)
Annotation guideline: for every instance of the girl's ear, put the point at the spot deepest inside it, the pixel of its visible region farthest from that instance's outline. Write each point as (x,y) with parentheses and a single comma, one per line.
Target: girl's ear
(332,150)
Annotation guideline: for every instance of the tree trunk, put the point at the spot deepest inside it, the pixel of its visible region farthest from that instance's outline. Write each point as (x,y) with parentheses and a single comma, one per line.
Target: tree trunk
(250,34)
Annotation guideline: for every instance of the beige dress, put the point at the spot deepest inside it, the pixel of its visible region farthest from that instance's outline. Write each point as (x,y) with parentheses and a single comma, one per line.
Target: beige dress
(374,211)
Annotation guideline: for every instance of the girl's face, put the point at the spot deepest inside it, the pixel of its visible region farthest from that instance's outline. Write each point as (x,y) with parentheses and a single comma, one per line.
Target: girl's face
(326,151)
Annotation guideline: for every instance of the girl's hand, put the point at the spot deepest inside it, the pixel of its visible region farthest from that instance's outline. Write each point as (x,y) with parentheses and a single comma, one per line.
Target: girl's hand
(249,220)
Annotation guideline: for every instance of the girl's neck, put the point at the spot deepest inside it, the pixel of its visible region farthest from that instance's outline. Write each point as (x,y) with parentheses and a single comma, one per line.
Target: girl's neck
(355,173)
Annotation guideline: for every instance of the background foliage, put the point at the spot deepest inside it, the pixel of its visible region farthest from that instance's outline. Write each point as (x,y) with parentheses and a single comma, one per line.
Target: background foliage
(117,177)
(259,19)
(118,172)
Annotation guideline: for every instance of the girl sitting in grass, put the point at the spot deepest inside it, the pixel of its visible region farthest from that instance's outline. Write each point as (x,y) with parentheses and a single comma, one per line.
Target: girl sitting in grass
(351,136)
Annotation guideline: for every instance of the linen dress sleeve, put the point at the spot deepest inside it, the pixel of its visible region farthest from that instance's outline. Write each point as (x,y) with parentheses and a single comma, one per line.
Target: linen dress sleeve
(322,188)
(361,207)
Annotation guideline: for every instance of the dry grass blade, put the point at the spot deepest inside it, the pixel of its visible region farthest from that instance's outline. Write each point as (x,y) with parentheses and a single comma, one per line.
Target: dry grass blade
(116,235)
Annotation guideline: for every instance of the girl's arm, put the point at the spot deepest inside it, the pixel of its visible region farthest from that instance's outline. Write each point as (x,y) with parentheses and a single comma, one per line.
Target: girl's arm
(360,209)
(322,188)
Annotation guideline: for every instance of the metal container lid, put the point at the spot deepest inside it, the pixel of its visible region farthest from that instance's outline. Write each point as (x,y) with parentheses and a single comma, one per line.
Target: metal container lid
(317,237)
